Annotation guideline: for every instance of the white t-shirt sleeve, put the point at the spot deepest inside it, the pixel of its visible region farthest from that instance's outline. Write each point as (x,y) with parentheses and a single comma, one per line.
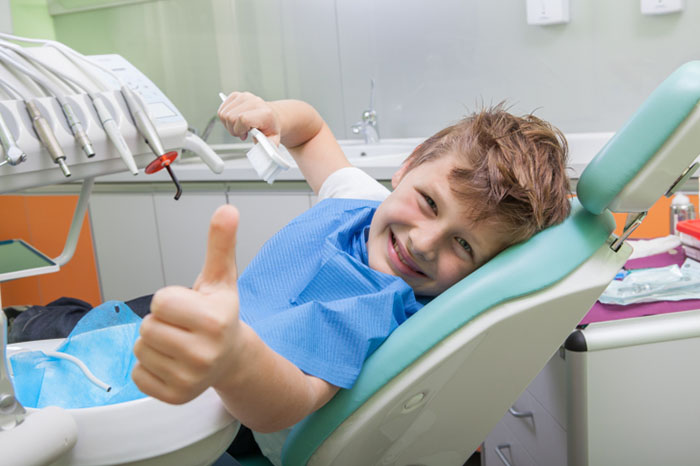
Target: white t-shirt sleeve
(352,183)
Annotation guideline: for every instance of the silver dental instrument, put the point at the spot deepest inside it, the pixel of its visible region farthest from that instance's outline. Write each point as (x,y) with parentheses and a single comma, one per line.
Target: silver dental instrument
(47,136)
(106,119)
(42,128)
(13,154)
(74,123)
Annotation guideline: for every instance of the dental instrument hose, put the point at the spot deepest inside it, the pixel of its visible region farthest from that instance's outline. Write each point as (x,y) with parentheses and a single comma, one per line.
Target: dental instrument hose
(74,124)
(106,119)
(42,128)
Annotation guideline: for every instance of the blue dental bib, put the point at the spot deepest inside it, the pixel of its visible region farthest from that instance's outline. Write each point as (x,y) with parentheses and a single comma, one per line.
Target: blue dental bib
(312,297)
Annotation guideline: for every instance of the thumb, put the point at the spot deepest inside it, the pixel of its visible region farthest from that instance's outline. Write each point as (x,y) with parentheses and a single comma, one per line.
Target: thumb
(220,261)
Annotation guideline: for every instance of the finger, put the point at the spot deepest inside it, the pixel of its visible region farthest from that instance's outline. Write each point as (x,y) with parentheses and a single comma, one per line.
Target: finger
(161,366)
(261,118)
(175,305)
(220,260)
(152,385)
(169,338)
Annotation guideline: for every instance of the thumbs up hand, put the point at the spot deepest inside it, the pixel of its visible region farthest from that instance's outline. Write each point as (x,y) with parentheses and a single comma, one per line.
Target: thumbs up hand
(192,337)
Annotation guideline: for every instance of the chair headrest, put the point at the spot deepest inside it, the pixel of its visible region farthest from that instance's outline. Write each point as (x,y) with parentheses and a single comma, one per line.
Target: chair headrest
(651,151)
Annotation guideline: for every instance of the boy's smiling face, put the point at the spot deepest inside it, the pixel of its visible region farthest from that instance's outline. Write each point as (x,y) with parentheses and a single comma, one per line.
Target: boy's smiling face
(419,233)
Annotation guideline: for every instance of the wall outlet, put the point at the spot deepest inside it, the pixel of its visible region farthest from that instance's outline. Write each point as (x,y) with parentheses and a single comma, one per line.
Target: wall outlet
(661,7)
(543,12)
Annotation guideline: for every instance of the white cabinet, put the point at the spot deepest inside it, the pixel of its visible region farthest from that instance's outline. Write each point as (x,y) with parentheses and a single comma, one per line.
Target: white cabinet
(533,430)
(262,214)
(125,236)
(626,392)
(145,240)
(183,227)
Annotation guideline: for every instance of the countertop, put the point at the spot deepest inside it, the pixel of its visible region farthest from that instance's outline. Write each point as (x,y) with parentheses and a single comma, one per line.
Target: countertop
(379,161)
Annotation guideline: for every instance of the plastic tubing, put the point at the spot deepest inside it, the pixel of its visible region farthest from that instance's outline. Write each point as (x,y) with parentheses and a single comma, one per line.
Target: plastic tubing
(81,365)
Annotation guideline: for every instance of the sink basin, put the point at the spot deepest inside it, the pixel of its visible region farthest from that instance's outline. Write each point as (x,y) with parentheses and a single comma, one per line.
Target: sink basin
(389,147)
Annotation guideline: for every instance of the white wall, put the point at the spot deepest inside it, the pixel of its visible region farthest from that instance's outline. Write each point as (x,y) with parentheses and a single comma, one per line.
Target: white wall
(432,60)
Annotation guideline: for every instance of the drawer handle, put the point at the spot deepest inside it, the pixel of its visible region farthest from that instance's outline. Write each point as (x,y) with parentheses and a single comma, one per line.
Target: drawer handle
(515,413)
(499,451)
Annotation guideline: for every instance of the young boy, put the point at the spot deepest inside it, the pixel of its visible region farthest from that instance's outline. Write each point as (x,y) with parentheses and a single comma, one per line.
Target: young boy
(347,272)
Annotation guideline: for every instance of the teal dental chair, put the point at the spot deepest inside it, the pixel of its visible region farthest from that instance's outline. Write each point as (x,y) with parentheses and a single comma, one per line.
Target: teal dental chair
(438,385)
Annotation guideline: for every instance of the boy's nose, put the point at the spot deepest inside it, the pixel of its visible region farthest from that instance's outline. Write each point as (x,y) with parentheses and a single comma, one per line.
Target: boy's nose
(424,243)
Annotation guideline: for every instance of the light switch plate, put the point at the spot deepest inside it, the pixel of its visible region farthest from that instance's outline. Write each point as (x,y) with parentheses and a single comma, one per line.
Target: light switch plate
(5,17)
(544,12)
(661,7)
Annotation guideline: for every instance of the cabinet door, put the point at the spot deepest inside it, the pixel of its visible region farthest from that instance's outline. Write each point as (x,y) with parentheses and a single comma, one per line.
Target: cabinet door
(263,215)
(126,244)
(502,449)
(183,226)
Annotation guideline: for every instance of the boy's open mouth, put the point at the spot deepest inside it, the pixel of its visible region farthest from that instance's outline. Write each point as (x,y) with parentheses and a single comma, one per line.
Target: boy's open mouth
(401,259)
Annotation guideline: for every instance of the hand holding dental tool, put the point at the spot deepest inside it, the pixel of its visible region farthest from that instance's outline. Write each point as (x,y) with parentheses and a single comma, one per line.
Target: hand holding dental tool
(267,160)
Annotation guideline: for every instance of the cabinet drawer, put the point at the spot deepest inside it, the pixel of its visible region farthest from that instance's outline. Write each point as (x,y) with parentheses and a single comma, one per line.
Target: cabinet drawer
(549,388)
(540,434)
(501,448)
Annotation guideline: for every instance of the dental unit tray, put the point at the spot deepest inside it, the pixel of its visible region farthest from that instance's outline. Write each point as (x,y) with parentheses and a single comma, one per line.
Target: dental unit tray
(39,170)
(127,88)
(18,259)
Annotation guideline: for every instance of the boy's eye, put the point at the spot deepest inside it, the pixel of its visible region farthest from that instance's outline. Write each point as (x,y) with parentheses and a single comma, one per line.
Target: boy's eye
(430,202)
(462,242)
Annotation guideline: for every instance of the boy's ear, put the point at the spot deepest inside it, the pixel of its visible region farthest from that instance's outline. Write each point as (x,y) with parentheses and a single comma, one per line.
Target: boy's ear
(398,176)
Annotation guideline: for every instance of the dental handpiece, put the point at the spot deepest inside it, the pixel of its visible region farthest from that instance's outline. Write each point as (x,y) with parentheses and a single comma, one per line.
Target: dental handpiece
(47,137)
(76,128)
(112,130)
(143,122)
(13,154)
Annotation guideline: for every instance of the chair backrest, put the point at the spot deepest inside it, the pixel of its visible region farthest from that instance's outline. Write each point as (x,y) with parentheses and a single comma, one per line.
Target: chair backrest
(437,386)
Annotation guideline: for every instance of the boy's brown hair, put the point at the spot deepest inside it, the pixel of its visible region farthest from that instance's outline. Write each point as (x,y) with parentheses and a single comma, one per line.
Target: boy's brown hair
(514,169)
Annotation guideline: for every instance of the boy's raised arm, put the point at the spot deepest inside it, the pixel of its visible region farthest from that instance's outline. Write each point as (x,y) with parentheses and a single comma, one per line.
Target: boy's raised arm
(194,339)
(295,124)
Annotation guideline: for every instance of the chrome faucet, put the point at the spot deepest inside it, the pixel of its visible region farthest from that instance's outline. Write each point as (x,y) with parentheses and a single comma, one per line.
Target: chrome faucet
(368,126)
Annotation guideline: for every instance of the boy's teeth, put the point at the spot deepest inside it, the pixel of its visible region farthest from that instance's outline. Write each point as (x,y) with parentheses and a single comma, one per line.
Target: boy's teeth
(398,253)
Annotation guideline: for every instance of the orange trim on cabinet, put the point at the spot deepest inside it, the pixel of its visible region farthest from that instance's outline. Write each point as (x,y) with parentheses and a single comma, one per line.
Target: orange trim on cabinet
(44,221)
(657,222)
